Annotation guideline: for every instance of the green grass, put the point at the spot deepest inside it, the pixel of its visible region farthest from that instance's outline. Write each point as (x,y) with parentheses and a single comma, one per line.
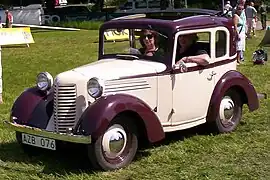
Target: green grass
(87,25)
(243,154)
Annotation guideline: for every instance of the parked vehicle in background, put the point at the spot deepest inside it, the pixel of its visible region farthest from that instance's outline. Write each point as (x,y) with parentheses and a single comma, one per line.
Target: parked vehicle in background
(74,12)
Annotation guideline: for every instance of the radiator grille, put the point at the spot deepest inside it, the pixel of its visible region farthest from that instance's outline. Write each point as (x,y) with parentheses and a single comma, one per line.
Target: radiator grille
(64,107)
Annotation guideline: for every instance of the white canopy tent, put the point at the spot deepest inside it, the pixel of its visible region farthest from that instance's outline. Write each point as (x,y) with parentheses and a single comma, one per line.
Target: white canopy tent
(266,39)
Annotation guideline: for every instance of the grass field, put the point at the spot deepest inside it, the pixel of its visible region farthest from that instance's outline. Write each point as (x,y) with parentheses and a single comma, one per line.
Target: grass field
(243,154)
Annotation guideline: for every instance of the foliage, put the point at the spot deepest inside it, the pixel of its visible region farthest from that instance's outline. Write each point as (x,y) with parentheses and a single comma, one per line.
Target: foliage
(191,154)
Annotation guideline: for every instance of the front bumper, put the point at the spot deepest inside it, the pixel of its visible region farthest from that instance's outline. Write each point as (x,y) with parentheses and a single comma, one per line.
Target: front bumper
(43,133)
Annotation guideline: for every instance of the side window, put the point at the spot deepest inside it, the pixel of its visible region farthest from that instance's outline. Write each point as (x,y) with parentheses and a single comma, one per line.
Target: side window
(192,44)
(221,43)
(204,42)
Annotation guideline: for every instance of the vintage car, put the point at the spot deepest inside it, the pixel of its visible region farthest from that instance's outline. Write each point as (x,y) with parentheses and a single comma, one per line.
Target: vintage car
(127,97)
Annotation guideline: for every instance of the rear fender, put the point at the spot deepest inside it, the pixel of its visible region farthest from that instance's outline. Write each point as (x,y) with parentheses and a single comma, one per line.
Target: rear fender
(237,81)
(96,118)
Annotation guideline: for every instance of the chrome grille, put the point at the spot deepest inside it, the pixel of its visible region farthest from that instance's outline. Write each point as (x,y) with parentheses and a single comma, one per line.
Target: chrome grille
(64,107)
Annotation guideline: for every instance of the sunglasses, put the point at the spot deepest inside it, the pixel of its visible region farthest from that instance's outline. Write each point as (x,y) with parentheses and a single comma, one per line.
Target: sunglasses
(149,36)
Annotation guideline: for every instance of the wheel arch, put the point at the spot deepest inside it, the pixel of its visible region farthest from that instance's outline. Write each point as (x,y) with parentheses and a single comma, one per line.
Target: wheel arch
(237,81)
(136,120)
(97,117)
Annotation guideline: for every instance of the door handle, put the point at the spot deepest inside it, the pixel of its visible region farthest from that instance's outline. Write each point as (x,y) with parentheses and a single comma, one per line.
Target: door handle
(210,77)
(213,73)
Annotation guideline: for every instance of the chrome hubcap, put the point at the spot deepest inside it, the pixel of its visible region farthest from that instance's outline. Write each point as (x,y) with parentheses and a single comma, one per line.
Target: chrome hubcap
(114,141)
(226,110)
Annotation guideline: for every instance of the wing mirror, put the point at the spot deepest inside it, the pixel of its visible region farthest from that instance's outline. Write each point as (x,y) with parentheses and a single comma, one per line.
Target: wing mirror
(180,65)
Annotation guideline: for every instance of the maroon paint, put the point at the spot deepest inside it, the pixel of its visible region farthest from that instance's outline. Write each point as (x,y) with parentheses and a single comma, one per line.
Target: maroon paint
(208,66)
(98,115)
(178,71)
(228,80)
(170,28)
(26,103)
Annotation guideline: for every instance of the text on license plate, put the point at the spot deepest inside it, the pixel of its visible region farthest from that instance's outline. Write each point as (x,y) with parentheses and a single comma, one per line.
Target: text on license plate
(38,141)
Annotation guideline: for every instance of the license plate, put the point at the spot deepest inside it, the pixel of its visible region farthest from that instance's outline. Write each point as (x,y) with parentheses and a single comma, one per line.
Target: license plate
(38,141)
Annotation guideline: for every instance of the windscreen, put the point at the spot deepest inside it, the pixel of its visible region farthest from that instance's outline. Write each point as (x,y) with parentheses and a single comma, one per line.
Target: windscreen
(141,43)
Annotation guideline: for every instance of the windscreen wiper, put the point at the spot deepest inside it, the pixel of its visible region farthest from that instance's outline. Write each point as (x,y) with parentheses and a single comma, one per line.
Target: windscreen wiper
(127,57)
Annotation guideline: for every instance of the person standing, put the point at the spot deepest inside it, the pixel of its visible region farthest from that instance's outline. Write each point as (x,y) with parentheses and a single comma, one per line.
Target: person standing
(263,12)
(9,19)
(228,9)
(241,3)
(251,14)
(1,22)
(240,34)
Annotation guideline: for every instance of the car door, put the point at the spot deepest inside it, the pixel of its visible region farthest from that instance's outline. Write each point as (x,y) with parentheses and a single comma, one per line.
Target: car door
(192,90)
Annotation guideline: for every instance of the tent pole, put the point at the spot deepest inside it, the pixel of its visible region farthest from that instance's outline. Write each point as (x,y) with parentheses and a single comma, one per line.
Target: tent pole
(1,78)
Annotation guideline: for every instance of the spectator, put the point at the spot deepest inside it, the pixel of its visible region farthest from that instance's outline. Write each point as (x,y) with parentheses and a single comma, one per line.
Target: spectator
(244,19)
(251,14)
(9,19)
(1,22)
(239,26)
(228,9)
(263,12)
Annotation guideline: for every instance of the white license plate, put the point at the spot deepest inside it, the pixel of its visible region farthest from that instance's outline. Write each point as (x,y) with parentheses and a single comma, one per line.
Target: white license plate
(38,141)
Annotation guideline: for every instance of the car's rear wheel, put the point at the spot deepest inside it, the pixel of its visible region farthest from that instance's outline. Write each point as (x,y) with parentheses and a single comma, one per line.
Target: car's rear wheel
(117,147)
(230,112)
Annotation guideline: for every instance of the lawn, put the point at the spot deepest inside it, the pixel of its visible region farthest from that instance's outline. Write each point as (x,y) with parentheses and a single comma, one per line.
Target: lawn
(243,154)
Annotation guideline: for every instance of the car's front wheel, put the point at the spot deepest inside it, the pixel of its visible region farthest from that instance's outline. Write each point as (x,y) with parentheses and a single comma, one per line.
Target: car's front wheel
(117,147)
(230,112)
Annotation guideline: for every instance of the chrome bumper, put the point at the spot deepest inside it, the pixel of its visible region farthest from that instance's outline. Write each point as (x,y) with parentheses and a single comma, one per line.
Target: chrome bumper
(57,136)
(262,95)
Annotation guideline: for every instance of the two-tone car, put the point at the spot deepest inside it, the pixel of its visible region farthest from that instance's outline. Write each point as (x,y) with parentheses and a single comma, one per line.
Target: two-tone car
(124,98)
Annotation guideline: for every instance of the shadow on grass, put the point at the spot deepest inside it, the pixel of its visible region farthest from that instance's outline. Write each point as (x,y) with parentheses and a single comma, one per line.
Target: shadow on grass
(14,46)
(67,159)
(70,158)
(181,135)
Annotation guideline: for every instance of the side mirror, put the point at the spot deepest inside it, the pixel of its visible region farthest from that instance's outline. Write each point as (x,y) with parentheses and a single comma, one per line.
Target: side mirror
(181,65)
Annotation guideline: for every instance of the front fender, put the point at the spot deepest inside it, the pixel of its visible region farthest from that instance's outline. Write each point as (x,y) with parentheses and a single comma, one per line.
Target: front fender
(33,108)
(98,115)
(233,79)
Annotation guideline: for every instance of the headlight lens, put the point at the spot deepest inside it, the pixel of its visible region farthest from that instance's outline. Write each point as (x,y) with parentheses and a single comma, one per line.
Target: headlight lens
(44,81)
(94,87)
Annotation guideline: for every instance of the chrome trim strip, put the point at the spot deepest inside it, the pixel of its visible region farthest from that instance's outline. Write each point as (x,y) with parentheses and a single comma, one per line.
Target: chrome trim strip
(57,136)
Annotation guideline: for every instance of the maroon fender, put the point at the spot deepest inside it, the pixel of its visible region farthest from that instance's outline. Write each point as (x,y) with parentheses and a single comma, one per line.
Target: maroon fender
(33,108)
(98,115)
(233,79)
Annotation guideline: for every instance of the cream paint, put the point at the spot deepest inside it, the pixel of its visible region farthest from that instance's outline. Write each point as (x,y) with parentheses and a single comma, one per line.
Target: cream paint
(108,69)
(82,97)
(195,88)
(165,99)
(188,94)
(144,89)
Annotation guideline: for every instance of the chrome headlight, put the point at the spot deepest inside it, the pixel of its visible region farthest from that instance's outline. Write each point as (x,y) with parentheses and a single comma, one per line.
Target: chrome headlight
(44,81)
(95,87)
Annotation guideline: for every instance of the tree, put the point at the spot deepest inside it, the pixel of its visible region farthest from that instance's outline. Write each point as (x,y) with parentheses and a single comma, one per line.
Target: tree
(98,7)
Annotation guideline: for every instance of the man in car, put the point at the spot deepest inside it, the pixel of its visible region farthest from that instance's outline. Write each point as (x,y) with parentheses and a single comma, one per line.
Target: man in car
(189,51)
